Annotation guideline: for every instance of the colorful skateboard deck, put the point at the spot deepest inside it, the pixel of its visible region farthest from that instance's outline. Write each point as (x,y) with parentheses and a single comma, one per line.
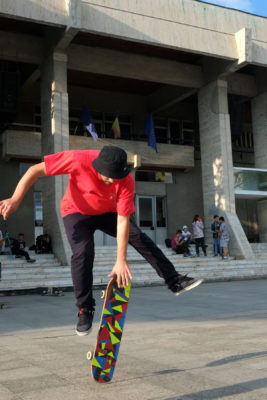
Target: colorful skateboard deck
(110,331)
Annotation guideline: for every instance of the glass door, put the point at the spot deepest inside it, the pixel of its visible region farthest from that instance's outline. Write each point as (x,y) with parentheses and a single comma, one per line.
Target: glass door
(151,217)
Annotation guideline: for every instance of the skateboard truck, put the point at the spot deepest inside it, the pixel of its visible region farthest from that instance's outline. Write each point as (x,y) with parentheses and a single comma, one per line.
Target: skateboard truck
(50,291)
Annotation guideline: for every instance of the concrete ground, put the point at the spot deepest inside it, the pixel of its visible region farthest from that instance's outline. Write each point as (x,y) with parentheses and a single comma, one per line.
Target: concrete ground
(210,343)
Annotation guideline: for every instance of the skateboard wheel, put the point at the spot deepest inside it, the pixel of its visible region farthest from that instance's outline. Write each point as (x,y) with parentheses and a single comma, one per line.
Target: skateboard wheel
(103,294)
(89,355)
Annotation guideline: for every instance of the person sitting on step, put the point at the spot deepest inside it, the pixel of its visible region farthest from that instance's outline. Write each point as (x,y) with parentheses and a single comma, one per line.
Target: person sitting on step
(18,248)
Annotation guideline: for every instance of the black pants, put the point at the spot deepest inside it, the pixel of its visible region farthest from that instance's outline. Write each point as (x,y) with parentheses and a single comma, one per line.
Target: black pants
(200,243)
(80,232)
(22,253)
(183,248)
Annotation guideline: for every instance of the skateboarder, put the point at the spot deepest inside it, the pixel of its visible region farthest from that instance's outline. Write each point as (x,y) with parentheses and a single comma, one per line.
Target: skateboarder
(100,195)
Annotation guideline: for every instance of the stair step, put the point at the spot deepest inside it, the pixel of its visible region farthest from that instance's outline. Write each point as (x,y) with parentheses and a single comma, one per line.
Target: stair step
(17,274)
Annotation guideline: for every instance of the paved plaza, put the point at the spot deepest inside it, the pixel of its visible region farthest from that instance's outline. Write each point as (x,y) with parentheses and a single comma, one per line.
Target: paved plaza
(210,343)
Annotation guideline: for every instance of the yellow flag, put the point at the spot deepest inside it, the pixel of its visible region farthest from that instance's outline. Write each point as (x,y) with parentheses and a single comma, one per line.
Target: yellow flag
(116,128)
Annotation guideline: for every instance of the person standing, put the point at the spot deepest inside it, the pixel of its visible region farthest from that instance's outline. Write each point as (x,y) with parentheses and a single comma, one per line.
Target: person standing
(224,238)
(198,234)
(215,229)
(100,195)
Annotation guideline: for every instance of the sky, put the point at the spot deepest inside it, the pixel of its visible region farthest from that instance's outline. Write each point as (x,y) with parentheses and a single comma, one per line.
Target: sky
(258,7)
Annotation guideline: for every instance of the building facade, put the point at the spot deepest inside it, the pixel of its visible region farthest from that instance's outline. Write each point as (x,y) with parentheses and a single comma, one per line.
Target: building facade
(198,68)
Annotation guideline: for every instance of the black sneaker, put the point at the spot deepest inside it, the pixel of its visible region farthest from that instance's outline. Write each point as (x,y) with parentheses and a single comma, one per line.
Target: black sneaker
(85,320)
(31,260)
(185,283)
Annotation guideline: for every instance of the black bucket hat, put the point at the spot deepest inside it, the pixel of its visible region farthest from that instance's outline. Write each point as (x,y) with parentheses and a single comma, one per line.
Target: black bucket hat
(111,162)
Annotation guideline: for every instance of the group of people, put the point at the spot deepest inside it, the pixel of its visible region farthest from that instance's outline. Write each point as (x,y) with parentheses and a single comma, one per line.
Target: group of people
(17,247)
(220,237)
(183,238)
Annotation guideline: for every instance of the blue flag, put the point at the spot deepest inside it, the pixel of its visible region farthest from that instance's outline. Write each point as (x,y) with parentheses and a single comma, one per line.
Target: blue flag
(150,132)
(87,119)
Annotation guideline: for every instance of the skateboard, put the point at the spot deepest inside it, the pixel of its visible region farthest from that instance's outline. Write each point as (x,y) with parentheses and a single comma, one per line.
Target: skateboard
(49,291)
(110,331)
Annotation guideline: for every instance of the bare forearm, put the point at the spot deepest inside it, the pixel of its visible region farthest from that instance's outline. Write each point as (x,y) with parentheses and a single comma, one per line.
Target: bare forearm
(121,268)
(27,181)
(123,227)
(8,206)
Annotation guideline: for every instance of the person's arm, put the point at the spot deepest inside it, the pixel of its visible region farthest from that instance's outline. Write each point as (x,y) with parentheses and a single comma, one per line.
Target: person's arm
(201,225)
(8,206)
(121,267)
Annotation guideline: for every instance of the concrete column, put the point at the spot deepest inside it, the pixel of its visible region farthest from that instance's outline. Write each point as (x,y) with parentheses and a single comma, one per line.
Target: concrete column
(55,138)
(217,165)
(259,123)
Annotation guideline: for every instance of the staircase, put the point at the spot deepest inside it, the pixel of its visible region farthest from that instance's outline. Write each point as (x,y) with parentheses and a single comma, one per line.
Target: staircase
(18,275)
(259,249)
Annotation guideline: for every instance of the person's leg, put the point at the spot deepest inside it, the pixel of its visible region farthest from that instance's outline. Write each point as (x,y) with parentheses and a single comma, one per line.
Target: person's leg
(225,252)
(3,247)
(179,250)
(80,235)
(144,245)
(197,246)
(186,251)
(203,246)
(152,254)
(24,254)
(176,282)
(221,249)
(217,246)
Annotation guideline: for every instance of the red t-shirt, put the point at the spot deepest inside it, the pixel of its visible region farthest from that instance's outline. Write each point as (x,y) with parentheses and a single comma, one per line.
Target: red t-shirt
(86,192)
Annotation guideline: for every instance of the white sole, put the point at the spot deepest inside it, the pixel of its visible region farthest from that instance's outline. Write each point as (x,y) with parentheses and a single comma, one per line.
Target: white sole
(83,333)
(195,284)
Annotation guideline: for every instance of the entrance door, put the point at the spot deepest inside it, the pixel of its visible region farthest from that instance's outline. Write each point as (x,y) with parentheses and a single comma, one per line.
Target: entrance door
(151,217)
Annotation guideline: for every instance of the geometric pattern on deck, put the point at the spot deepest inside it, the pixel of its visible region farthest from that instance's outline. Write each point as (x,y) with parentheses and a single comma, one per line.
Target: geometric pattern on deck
(110,331)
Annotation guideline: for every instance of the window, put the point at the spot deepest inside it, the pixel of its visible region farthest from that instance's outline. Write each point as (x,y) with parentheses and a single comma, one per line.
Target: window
(174,130)
(188,133)
(160,212)
(38,213)
(161,130)
(38,208)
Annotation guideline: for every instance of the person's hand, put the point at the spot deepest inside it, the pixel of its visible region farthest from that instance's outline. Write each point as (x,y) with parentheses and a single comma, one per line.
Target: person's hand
(122,270)
(7,207)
